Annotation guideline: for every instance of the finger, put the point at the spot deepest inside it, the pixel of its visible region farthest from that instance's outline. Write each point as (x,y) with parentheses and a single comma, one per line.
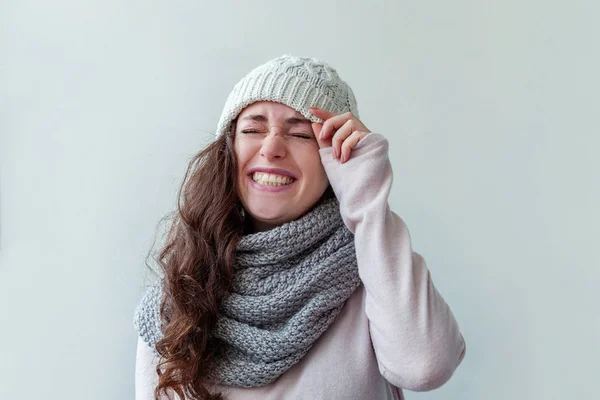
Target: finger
(318,127)
(316,130)
(320,113)
(333,123)
(324,115)
(349,144)
(340,136)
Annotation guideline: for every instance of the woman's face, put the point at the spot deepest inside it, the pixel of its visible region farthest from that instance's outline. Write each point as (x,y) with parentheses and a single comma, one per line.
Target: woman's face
(280,175)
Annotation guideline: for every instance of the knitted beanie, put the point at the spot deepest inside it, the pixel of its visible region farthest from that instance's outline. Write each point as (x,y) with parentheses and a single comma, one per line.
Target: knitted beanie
(298,82)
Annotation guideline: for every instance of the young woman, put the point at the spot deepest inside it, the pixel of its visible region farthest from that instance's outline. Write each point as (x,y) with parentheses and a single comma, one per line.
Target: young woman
(286,274)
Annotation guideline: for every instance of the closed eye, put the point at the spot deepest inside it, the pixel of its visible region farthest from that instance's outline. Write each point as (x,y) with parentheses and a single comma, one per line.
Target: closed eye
(301,136)
(298,135)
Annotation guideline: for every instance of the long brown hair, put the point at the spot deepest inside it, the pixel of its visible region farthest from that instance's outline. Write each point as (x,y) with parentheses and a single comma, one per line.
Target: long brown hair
(197,260)
(197,264)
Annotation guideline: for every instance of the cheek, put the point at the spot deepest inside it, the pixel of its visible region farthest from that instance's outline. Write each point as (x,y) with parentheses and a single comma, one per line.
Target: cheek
(312,166)
(243,154)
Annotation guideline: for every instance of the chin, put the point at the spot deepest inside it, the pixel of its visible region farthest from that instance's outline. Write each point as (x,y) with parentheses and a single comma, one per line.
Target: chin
(271,217)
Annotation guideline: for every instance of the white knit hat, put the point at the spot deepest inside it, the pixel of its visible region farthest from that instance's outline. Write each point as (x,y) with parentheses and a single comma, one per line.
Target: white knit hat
(298,82)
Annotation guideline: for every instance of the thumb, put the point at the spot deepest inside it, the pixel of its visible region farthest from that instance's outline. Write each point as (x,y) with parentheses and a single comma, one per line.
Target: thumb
(316,127)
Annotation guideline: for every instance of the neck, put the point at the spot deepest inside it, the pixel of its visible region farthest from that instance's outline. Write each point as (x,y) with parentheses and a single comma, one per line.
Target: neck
(255,226)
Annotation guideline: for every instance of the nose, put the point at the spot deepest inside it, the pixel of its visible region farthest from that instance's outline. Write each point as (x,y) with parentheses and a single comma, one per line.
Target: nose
(273,147)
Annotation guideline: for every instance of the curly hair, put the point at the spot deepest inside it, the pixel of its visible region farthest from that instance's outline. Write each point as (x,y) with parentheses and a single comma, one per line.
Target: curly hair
(196,260)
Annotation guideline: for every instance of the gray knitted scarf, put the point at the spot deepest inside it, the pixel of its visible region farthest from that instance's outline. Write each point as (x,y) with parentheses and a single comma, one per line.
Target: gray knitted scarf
(289,285)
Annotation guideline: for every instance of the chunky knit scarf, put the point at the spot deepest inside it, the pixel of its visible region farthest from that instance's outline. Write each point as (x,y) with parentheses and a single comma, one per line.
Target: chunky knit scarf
(289,285)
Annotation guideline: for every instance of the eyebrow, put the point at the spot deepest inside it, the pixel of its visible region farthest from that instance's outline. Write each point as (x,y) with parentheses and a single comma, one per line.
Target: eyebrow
(288,121)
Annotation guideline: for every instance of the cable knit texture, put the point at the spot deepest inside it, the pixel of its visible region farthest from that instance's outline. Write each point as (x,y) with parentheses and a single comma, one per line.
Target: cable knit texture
(298,82)
(289,285)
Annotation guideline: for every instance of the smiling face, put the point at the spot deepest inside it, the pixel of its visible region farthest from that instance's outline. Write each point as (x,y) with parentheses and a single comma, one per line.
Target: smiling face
(280,174)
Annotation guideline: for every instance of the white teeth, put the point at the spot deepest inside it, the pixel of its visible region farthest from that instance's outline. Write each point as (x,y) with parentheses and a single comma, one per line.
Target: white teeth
(271,179)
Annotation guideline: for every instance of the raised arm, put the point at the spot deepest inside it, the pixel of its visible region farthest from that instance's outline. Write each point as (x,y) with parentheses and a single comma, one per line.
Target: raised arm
(415,336)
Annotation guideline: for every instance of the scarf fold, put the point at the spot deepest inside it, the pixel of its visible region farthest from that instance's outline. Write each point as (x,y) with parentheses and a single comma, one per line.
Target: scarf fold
(289,285)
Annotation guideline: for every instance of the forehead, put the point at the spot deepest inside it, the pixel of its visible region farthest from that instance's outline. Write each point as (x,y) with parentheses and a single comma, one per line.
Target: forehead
(270,109)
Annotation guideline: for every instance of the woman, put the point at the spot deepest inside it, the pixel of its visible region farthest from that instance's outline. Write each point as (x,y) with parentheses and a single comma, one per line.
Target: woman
(286,274)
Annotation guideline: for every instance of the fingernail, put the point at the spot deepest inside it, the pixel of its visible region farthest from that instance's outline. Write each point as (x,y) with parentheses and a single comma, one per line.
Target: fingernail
(334,153)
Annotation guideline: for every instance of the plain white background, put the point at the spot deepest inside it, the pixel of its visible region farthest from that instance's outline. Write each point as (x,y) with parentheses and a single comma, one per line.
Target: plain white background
(491,110)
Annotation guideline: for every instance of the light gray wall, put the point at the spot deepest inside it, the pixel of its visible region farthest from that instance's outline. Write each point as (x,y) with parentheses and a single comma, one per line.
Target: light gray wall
(491,110)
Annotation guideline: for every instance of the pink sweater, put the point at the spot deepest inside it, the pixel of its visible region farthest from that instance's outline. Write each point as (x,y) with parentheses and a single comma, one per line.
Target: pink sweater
(395,332)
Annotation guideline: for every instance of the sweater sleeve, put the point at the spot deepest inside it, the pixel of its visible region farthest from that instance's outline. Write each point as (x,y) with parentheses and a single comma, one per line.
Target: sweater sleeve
(146,377)
(416,339)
